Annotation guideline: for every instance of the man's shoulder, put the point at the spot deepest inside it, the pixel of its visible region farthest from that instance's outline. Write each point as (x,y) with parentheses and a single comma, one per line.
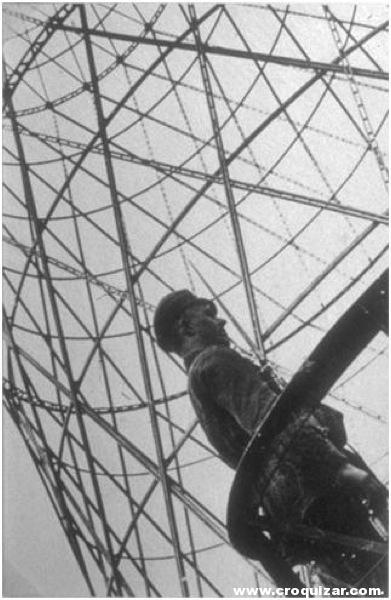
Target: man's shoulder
(212,369)
(216,355)
(214,361)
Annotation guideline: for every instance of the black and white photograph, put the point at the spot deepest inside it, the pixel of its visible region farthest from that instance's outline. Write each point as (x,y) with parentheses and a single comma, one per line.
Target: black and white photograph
(195,299)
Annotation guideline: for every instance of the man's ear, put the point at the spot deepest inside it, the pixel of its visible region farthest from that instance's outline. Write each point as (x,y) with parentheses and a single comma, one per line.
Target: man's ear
(185,327)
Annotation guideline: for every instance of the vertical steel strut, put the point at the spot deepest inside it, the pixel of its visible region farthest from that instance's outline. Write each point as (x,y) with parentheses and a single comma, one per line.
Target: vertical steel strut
(126,259)
(228,188)
(73,385)
(372,141)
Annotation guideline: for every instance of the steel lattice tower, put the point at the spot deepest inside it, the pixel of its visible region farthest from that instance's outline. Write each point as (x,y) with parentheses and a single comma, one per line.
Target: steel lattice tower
(236,150)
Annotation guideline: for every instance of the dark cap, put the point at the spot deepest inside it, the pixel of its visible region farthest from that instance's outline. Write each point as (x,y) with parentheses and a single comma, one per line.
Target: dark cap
(168,311)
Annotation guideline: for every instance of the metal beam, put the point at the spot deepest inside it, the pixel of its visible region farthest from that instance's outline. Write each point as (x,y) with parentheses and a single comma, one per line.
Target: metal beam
(147,495)
(198,509)
(78,164)
(13,390)
(126,258)
(187,240)
(47,31)
(331,357)
(314,284)
(285,61)
(365,120)
(250,138)
(176,447)
(38,241)
(262,190)
(331,302)
(221,264)
(240,248)
(55,494)
(135,505)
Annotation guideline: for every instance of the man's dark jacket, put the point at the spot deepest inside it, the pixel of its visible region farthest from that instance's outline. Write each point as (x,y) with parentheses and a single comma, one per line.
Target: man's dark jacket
(230,396)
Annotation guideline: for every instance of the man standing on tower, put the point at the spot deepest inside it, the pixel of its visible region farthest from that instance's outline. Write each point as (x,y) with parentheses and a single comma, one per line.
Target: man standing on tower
(230,396)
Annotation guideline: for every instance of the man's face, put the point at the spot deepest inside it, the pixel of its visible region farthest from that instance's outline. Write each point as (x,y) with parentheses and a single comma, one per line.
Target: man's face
(204,325)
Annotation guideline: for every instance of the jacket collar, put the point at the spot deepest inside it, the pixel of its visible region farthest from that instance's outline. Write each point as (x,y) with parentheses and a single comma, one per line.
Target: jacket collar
(189,358)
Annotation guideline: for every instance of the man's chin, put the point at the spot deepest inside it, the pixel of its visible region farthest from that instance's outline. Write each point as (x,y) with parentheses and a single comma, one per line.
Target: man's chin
(219,341)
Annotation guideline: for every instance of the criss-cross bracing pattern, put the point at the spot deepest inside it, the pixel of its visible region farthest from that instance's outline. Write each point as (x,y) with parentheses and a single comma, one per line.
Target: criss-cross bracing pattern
(234,150)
